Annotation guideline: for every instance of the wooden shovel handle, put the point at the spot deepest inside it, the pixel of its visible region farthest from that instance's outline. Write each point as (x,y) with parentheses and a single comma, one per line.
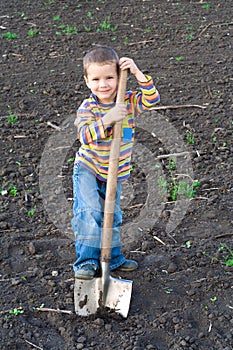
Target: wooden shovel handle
(112,176)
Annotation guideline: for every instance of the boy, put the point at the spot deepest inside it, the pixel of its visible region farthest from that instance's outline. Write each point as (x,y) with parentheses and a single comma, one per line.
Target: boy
(95,119)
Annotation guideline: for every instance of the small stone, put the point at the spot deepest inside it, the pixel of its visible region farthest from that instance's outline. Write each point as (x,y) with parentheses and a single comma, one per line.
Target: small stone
(108,327)
(54,273)
(172,267)
(99,322)
(183,342)
(79,346)
(32,248)
(81,339)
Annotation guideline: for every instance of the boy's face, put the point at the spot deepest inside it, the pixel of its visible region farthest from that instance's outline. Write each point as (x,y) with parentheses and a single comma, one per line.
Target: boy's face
(102,80)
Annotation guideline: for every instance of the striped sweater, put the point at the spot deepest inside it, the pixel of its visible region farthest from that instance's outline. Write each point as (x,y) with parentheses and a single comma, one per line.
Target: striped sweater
(94,151)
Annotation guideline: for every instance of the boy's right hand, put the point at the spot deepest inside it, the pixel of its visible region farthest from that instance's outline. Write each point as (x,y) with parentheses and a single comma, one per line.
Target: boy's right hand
(116,114)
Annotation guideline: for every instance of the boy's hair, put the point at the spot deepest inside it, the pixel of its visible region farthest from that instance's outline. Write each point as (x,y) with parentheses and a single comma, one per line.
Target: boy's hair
(101,55)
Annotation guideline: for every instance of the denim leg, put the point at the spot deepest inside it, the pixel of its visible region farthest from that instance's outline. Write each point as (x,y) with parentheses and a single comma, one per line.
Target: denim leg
(88,208)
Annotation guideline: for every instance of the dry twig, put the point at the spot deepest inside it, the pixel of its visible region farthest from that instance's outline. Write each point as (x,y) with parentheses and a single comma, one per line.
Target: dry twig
(35,346)
(54,126)
(134,206)
(177,106)
(159,240)
(45,309)
(181,154)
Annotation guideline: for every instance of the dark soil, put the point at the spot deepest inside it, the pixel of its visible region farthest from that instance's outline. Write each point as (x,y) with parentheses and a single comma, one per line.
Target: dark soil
(182,291)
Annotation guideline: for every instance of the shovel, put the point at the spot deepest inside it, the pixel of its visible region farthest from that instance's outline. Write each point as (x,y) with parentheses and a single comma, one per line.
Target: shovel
(106,291)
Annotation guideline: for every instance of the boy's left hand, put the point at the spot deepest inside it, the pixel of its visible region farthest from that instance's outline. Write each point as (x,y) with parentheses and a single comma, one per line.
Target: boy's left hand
(128,63)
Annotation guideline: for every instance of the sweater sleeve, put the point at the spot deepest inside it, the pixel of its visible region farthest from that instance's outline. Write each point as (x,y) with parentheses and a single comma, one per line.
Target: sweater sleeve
(89,129)
(147,97)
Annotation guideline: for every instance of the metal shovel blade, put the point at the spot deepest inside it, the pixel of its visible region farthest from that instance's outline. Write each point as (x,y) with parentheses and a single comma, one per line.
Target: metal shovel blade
(88,295)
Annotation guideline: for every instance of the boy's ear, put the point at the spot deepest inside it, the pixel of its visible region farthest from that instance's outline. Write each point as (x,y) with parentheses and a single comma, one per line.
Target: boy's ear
(86,81)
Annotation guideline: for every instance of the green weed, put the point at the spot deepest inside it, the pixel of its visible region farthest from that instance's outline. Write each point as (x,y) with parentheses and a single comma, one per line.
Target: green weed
(32,32)
(227,254)
(171,164)
(223,256)
(22,14)
(10,36)
(70,30)
(56,18)
(87,29)
(31,213)
(126,40)
(174,188)
(13,190)
(66,29)
(189,137)
(16,311)
(12,118)
(70,160)
(148,30)
(106,25)
(206,6)
(89,15)
(179,58)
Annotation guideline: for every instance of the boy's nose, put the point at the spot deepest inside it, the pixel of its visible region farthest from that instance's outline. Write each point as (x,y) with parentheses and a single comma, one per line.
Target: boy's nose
(102,82)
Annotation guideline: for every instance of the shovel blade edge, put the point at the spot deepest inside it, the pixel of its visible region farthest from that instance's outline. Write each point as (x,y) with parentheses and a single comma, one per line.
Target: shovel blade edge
(88,296)
(119,296)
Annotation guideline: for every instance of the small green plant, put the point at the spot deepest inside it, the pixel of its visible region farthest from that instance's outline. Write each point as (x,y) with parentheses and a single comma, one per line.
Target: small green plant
(12,118)
(214,138)
(179,58)
(106,25)
(188,191)
(163,184)
(10,36)
(223,256)
(126,40)
(70,30)
(227,254)
(13,190)
(206,6)
(89,15)
(188,244)
(189,137)
(213,299)
(70,160)
(175,188)
(56,18)
(148,30)
(22,14)
(16,311)
(31,213)
(171,164)
(66,29)
(32,32)
(190,36)
(87,29)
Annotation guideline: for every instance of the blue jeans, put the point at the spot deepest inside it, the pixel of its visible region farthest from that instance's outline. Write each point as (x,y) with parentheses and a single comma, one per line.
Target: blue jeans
(87,222)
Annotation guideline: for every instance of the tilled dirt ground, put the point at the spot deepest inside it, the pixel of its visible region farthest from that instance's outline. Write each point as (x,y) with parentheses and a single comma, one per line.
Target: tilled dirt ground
(182,291)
